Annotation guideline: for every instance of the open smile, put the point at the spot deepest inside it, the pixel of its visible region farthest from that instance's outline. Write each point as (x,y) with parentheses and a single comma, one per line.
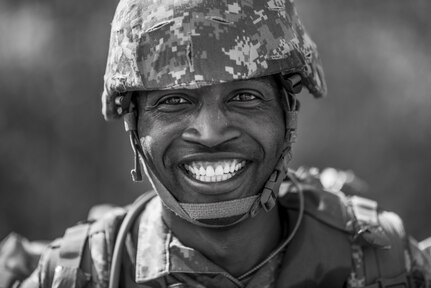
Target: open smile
(214,171)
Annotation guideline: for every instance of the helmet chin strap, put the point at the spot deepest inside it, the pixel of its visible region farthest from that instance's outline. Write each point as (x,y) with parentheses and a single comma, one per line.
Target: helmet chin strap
(216,214)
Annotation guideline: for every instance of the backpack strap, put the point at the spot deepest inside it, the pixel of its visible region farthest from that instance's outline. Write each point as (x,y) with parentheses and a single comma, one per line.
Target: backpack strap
(67,273)
(137,207)
(83,254)
(379,247)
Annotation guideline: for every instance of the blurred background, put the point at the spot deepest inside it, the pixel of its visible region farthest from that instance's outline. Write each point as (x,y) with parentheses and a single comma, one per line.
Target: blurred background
(58,157)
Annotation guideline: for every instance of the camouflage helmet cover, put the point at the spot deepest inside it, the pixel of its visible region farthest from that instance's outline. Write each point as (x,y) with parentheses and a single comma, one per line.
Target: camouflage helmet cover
(172,44)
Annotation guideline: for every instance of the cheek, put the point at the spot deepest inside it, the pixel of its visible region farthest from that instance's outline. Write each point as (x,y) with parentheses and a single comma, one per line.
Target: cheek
(274,136)
(147,144)
(270,131)
(156,136)
(148,135)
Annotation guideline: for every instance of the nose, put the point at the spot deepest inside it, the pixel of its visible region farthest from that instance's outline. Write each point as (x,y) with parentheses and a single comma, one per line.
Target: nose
(211,127)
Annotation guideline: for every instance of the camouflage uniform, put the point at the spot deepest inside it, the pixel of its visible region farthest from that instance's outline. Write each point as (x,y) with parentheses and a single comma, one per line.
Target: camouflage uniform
(162,260)
(329,250)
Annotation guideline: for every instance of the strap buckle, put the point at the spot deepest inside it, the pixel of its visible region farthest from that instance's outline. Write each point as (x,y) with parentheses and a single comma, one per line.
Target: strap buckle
(269,193)
(365,223)
(268,199)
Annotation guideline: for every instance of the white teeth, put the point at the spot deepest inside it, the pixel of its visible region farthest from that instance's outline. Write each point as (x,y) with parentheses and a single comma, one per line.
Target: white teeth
(226,168)
(217,178)
(219,170)
(190,168)
(232,167)
(215,171)
(210,171)
(202,171)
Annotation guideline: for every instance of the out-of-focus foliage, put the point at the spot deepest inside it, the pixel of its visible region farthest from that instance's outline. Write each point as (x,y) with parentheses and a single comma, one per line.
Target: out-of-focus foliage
(58,156)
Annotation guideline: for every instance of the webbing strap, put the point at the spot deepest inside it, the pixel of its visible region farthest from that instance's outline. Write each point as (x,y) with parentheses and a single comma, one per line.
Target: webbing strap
(400,281)
(219,209)
(137,207)
(66,277)
(67,273)
(365,224)
(368,234)
(364,210)
(72,245)
(357,275)
(291,119)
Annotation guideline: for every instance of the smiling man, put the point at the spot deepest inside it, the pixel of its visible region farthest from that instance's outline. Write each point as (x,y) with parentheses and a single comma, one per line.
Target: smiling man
(207,90)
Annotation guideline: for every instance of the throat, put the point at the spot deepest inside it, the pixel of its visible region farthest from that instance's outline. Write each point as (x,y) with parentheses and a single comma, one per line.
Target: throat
(236,249)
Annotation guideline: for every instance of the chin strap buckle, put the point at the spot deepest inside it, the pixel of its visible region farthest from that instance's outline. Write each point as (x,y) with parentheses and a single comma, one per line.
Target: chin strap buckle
(268,199)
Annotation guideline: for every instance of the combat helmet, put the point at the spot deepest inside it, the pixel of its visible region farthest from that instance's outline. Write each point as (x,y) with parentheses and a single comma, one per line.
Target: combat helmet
(164,44)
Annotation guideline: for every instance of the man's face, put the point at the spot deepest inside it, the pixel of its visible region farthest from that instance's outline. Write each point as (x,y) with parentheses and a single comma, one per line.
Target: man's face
(214,143)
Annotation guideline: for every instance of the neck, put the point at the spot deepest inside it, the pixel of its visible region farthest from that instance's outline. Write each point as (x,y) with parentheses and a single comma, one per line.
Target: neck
(237,249)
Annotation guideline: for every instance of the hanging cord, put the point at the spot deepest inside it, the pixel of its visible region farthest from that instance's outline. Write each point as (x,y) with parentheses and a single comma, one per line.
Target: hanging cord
(294,188)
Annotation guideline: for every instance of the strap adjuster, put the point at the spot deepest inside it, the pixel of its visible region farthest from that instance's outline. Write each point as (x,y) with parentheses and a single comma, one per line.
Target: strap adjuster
(269,195)
(268,199)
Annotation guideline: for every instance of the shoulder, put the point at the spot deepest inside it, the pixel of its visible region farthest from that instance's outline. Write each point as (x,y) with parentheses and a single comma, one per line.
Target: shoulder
(373,243)
(354,215)
(85,252)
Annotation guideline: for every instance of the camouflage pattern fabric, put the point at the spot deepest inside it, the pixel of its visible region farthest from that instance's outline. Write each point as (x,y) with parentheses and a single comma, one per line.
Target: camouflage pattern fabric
(162,260)
(163,44)
(318,256)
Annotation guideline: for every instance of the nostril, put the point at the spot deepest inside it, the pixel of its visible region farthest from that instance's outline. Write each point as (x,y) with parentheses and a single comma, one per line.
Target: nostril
(190,133)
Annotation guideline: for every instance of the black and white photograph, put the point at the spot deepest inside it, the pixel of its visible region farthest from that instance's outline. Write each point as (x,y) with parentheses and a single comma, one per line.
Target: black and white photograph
(215,144)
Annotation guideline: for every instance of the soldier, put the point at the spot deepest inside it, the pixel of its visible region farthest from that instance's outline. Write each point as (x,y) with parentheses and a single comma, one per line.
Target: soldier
(207,90)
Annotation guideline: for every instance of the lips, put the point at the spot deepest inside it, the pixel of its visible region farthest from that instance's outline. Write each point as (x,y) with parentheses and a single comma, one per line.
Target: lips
(214,171)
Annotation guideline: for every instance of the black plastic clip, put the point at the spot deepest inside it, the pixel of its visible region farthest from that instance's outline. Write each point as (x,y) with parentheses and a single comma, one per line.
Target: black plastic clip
(292,83)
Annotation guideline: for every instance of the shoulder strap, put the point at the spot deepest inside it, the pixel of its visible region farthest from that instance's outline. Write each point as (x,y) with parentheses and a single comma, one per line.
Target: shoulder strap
(137,207)
(67,273)
(378,240)
(379,247)
(70,264)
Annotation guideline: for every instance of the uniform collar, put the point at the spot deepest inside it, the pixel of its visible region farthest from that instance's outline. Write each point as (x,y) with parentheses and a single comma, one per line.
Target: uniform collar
(160,253)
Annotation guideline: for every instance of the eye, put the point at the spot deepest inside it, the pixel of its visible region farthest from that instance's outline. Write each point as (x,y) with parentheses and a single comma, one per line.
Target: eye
(172,103)
(173,100)
(243,97)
